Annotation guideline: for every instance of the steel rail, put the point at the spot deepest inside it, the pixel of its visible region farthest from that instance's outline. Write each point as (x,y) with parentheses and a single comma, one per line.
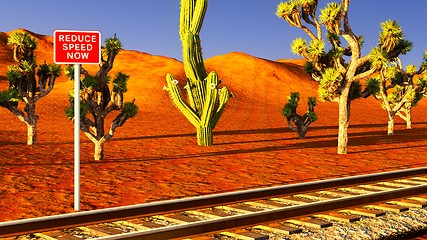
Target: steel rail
(25,226)
(265,216)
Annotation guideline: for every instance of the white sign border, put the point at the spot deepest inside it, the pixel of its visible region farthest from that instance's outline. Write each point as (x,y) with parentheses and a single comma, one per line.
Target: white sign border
(77,31)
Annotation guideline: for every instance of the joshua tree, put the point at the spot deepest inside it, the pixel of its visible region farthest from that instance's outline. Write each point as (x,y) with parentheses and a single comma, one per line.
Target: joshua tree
(398,92)
(300,123)
(339,80)
(97,101)
(23,84)
(206,101)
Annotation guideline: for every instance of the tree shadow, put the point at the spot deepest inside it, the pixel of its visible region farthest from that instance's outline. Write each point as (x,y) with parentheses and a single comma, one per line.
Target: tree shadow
(239,132)
(71,164)
(380,133)
(355,139)
(6,143)
(400,136)
(257,131)
(378,137)
(359,139)
(154,137)
(389,148)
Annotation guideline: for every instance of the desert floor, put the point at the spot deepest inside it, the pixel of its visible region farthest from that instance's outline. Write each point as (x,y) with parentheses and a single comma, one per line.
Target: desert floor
(155,156)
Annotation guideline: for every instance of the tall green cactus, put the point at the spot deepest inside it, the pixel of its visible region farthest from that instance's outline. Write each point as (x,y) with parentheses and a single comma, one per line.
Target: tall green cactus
(205,101)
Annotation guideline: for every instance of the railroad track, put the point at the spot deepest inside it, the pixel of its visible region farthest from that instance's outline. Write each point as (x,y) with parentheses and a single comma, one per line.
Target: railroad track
(293,205)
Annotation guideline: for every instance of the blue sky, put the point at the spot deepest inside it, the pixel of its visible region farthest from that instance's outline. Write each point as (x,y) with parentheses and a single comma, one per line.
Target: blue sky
(230,25)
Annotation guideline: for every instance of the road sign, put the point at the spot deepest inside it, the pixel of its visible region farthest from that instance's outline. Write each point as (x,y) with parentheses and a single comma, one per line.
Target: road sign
(77,47)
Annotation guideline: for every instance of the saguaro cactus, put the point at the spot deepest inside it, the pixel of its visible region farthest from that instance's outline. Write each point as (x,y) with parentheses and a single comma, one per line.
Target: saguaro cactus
(205,101)
(300,122)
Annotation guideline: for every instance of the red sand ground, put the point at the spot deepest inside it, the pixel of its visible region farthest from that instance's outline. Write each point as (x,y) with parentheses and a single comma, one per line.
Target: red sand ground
(155,156)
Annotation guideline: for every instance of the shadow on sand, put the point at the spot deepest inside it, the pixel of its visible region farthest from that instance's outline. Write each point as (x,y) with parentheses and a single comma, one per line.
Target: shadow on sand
(371,138)
(356,139)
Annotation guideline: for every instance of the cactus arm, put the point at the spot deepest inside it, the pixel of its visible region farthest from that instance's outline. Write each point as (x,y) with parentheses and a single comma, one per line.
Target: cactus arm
(198,16)
(180,103)
(185,18)
(224,95)
(210,100)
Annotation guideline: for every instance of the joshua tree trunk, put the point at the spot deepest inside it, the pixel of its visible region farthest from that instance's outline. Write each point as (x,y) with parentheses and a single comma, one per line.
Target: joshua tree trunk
(31,133)
(390,128)
(97,137)
(31,121)
(99,150)
(299,127)
(344,119)
(405,114)
(99,126)
(204,136)
(408,116)
(302,131)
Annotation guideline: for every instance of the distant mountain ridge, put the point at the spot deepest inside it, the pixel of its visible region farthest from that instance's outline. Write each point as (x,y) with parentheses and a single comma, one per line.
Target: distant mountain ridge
(249,78)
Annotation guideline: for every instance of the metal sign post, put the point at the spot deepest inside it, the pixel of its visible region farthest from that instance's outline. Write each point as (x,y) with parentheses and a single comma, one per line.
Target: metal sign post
(76,137)
(77,47)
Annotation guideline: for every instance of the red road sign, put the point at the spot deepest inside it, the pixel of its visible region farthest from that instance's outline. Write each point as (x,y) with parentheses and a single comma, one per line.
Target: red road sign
(76,47)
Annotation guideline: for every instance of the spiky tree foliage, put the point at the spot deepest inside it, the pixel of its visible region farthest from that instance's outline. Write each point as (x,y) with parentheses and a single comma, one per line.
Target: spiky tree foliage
(299,123)
(338,68)
(97,101)
(205,100)
(400,89)
(28,82)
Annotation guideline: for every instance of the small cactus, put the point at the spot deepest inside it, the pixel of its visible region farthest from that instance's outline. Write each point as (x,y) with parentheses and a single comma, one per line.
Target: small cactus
(206,101)
(297,122)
